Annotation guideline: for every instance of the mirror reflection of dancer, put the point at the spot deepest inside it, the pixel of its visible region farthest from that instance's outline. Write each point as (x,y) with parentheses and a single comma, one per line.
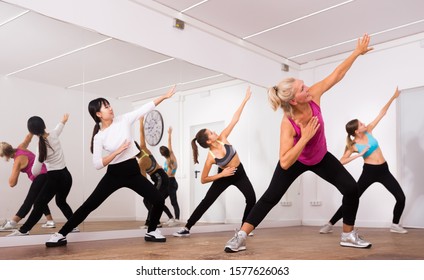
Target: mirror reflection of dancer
(230,171)
(375,167)
(303,147)
(148,165)
(59,180)
(23,160)
(170,167)
(113,135)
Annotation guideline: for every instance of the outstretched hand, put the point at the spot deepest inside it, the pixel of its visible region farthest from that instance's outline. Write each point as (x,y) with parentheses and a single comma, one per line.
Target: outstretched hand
(170,93)
(248,93)
(397,93)
(362,45)
(65,118)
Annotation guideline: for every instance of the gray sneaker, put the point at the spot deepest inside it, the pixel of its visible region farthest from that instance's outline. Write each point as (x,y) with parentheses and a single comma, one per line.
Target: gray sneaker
(352,239)
(18,233)
(235,244)
(8,225)
(327,228)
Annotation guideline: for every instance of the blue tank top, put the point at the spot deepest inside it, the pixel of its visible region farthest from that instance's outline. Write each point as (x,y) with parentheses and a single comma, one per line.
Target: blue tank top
(372,143)
(230,152)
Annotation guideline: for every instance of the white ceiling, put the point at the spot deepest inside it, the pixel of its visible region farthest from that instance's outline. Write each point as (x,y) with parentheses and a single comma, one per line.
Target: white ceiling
(300,31)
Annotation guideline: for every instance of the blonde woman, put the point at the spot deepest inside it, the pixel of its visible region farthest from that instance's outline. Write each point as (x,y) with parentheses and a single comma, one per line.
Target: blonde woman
(303,148)
(23,160)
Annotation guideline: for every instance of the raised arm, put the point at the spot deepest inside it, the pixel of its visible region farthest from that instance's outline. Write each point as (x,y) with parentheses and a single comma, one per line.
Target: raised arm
(349,155)
(167,95)
(143,145)
(237,114)
(27,140)
(383,111)
(170,139)
(318,89)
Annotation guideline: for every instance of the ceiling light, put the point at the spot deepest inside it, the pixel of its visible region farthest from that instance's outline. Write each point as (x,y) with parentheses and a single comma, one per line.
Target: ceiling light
(13,18)
(352,40)
(195,5)
(59,56)
(121,73)
(165,87)
(298,19)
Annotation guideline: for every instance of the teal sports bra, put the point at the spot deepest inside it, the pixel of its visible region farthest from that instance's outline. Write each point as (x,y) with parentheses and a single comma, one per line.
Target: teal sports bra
(372,143)
(165,167)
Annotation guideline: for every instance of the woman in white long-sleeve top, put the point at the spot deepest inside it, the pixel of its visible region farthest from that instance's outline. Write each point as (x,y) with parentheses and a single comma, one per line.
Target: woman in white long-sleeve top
(59,179)
(113,136)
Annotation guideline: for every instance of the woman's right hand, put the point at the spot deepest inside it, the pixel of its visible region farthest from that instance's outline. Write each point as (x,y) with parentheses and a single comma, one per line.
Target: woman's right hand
(310,129)
(228,171)
(123,147)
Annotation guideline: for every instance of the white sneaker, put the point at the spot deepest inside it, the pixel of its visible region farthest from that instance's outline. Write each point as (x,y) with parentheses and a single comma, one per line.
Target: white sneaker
(56,240)
(251,233)
(8,225)
(327,228)
(172,222)
(352,239)
(18,233)
(75,229)
(396,228)
(183,232)
(236,244)
(154,236)
(49,224)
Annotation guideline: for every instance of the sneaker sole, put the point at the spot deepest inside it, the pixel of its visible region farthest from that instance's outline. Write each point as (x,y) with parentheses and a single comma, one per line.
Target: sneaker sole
(153,239)
(181,235)
(229,250)
(346,244)
(401,232)
(43,226)
(56,244)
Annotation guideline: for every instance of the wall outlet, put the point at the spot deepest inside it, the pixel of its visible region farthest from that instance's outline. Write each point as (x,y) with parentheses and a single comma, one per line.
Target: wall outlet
(285,203)
(316,203)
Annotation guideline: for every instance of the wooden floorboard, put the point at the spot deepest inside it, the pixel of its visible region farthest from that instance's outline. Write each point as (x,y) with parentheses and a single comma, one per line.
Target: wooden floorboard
(284,243)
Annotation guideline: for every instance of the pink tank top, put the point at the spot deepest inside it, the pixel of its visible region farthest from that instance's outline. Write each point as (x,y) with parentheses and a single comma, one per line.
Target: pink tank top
(316,148)
(31,158)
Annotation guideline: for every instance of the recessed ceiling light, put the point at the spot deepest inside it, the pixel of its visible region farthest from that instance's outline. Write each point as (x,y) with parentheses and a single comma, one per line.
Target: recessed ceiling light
(298,19)
(121,73)
(195,5)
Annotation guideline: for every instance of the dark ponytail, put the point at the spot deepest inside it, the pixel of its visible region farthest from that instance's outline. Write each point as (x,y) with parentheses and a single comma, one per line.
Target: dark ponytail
(202,139)
(37,127)
(93,107)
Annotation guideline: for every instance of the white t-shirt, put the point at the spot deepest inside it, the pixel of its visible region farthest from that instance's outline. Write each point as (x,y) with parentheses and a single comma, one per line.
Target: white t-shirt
(111,138)
(55,158)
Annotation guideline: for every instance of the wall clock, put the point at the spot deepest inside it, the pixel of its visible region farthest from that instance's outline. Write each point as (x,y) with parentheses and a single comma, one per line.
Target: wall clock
(153,127)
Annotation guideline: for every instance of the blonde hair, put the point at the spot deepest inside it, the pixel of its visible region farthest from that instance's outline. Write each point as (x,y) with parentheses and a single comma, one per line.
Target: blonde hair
(280,95)
(6,150)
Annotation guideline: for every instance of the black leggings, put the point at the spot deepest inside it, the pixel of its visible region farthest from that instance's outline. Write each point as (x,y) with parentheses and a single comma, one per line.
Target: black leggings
(34,190)
(124,174)
(381,174)
(330,169)
(240,180)
(173,187)
(161,180)
(58,185)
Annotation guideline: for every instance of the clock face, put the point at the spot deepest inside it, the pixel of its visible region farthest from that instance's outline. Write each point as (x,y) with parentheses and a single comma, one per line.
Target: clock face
(153,127)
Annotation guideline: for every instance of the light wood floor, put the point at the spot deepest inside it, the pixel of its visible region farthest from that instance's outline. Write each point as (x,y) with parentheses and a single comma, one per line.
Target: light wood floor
(284,243)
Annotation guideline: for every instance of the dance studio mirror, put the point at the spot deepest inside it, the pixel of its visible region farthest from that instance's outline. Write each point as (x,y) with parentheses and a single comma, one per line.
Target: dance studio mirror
(49,68)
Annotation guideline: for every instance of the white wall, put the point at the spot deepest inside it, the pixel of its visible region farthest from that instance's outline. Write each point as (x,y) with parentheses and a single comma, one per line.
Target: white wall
(22,99)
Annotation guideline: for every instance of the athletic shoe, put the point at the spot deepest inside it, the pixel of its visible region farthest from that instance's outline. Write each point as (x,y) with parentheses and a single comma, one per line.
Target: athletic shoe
(56,240)
(236,244)
(154,236)
(172,222)
(352,239)
(396,228)
(251,234)
(75,229)
(183,232)
(18,233)
(327,228)
(49,224)
(8,225)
